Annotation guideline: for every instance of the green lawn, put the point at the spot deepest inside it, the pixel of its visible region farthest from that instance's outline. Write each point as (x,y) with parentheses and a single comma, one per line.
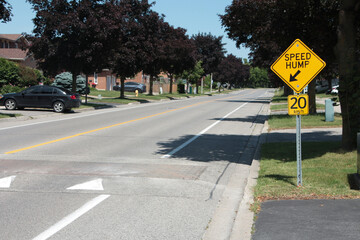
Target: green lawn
(325,169)
(114,96)
(307,121)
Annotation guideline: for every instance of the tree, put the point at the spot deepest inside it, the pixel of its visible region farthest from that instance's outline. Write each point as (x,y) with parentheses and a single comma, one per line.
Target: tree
(192,76)
(232,71)
(281,23)
(64,80)
(155,29)
(313,21)
(128,56)
(71,35)
(5,11)
(210,51)
(258,77)
(179,53)
(348,53)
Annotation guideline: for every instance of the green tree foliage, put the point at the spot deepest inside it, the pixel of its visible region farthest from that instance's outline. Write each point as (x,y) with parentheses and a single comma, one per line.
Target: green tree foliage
(64,80)
(192,76)
(5,11)
(9,73)
(258,77)
(20,76)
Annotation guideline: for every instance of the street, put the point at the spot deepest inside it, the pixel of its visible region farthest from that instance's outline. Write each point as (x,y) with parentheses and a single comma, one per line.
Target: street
(148,171)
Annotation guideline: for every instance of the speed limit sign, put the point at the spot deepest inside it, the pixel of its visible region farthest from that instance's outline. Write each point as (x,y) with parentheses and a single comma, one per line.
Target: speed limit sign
(298,104)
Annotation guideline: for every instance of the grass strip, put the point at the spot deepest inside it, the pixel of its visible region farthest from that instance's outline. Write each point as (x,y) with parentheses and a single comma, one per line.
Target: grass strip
(325,167)
(8,115)
(307,121)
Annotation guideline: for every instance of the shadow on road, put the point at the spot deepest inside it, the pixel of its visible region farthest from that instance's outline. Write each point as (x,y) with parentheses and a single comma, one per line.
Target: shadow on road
(208,148)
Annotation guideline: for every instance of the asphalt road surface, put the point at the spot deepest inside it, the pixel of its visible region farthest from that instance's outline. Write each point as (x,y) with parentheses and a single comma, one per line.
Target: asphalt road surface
(149,171)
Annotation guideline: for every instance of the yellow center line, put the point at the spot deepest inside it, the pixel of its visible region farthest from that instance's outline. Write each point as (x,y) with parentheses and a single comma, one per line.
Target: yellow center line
(107,127)
(99,129)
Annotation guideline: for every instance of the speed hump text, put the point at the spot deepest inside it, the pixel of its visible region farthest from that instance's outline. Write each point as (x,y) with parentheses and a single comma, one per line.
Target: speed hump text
(298,66)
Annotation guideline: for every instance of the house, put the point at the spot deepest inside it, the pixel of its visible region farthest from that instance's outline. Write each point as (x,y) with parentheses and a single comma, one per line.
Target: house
(106,80)
(12,48)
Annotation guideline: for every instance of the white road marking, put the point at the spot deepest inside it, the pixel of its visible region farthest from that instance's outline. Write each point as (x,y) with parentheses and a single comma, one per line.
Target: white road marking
(90,185)
(200,133)
(71,217)
(6,182)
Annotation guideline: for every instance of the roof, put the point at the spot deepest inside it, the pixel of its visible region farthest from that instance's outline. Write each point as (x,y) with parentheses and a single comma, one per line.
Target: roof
(13,53)
(11,37)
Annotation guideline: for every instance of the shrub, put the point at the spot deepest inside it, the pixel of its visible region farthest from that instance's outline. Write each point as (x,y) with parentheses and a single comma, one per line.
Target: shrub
(28,77)
(10,89)
(9,73)
(65,80)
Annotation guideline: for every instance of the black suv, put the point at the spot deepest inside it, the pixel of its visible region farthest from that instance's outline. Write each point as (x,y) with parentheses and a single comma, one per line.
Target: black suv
(41,96)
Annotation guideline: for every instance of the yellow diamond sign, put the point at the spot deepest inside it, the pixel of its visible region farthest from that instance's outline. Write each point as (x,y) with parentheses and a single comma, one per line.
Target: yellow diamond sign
(298,66)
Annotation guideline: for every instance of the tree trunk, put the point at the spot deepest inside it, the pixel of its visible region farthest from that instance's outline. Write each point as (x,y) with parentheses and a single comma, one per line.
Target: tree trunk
(287,90)
(197,86)
(312,97)
(329,80)
(73,88)
(349,79)
(171,84)
(151,85)
(122,89)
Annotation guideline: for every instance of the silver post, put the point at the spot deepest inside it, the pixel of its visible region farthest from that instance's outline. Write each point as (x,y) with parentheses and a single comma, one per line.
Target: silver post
(298,150)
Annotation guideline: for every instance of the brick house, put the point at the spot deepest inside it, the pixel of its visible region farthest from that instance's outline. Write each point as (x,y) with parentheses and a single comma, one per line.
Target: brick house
(11,48)
(106,80)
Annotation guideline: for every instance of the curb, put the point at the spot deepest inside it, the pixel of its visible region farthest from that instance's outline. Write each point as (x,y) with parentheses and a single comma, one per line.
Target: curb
(245,217)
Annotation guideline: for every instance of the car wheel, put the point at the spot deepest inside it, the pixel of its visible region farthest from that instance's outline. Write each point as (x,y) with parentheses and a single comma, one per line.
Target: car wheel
(59,107)
(10,104)
(139,90)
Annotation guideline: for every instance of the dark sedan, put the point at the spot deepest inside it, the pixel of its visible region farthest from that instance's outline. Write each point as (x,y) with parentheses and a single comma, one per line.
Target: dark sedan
(131,87)
(59,99)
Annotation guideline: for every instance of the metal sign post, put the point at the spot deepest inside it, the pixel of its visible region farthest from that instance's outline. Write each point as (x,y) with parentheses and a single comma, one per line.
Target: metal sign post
(298,150)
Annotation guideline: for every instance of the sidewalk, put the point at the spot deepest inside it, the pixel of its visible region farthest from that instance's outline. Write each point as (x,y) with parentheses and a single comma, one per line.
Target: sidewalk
(308,219)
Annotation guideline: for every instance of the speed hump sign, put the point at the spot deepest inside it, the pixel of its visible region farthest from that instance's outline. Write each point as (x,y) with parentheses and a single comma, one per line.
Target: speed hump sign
(298,104)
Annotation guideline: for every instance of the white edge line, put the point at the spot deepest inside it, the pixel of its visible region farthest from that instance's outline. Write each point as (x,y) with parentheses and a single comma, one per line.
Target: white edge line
(200,133)
(71,217)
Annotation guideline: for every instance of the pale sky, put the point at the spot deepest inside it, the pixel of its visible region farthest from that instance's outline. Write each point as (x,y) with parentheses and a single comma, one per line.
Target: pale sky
(196,16)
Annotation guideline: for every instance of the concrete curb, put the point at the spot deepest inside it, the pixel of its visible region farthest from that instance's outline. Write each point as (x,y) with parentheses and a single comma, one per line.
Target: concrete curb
(245,217)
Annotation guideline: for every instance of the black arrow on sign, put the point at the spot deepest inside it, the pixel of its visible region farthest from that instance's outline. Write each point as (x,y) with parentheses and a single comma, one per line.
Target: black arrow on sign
(293,78)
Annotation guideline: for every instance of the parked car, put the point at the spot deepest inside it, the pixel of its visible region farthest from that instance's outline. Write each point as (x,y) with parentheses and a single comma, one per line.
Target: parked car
(321,87)
(335,89)
(131,87)
(40,96)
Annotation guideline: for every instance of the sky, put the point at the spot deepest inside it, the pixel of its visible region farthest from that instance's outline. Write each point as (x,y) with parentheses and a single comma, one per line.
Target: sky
(196,16)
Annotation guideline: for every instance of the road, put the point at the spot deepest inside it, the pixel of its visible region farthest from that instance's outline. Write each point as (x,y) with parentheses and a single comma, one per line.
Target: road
(167,170)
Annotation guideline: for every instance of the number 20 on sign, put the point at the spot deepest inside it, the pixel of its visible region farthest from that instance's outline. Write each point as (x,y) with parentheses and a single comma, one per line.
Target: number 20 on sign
(298,104)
